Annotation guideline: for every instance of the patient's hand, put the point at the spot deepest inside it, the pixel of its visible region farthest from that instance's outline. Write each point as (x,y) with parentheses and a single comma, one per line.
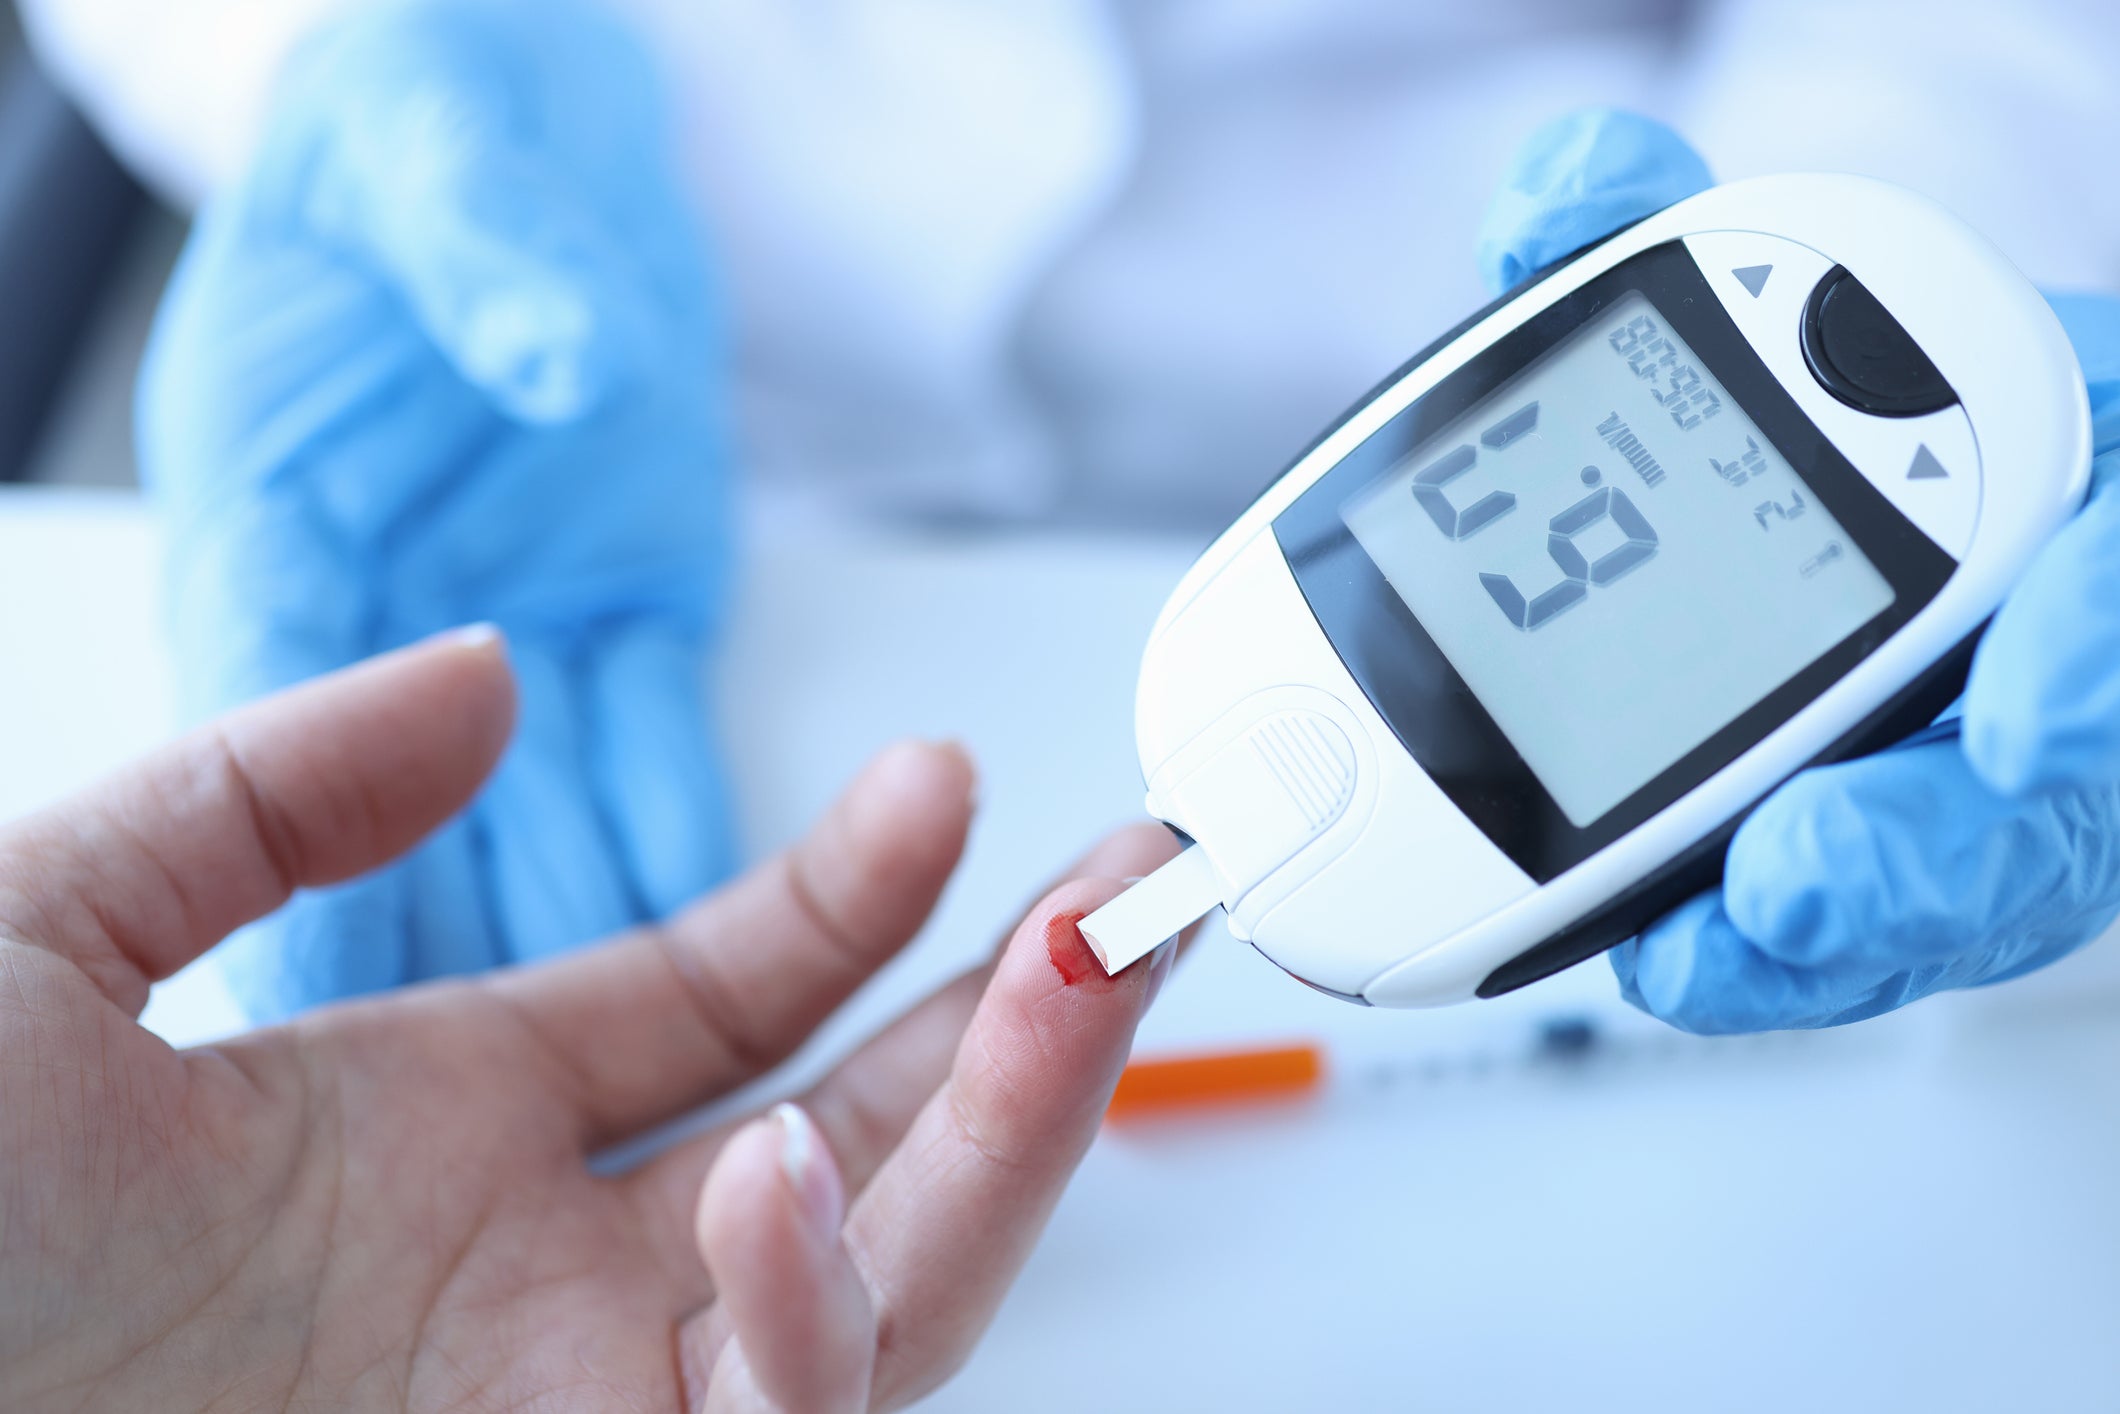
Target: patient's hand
(386,1204)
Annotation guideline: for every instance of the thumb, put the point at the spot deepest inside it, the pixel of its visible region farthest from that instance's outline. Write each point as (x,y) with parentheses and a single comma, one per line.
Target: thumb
(140,875)
(1577,180)
(2042,710)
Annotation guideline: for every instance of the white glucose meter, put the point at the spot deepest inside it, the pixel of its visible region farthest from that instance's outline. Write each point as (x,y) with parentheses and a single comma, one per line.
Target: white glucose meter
(1487,679)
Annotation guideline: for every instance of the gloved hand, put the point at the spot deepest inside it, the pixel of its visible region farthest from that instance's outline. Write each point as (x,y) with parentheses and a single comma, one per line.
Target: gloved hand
(1981,848)
(449,353)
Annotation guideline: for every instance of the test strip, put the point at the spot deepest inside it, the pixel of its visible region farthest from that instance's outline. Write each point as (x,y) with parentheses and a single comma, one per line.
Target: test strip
(1250,1075)
(1129,927)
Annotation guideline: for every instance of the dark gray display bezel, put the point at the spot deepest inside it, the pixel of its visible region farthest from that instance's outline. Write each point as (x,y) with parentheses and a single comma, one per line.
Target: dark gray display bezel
(1431,709)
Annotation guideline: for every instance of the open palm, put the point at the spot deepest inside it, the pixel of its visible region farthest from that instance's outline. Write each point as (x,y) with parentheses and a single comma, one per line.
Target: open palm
(388,1204)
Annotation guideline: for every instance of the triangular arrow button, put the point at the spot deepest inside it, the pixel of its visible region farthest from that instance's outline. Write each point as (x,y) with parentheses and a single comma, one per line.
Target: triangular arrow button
(1753,277)
(1925,467)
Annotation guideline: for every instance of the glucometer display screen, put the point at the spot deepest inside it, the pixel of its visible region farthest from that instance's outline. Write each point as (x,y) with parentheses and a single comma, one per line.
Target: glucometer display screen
(1614,557)
(1597,560)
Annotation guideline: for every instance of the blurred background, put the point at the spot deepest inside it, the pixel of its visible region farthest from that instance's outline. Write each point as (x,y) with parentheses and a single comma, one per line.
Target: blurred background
(1539,1202)
(84,251)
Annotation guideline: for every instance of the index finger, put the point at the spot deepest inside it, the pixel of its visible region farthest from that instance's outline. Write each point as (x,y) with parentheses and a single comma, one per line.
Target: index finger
(137,876)
(943,1227)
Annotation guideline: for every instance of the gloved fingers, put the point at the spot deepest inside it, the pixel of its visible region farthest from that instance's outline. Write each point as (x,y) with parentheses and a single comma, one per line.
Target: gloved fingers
(444,145)
(555,874)
(1694,970)
(655,764)
(2043,704)
(1577,180)
(506,268)
(280,383)
(1858,886)
(2042,707)
(1907,857)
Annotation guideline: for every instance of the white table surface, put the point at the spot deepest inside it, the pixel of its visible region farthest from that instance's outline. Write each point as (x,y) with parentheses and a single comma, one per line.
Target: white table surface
(1921,1213)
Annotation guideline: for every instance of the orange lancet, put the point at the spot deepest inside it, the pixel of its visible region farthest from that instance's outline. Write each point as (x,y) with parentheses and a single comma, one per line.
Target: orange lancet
(1167,1083)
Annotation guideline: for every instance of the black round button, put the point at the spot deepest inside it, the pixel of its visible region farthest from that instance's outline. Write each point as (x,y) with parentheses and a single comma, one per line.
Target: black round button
(1863,357)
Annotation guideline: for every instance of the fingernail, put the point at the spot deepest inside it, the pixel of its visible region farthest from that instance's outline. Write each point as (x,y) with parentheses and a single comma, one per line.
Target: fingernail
(812,1176)
(478,635)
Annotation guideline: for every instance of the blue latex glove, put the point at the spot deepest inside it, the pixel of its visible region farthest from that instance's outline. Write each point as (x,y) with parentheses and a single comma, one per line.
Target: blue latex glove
(449,354)
(1983,847)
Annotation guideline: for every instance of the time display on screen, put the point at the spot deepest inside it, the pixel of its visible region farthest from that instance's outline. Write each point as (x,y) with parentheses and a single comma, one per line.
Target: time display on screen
(1614,557)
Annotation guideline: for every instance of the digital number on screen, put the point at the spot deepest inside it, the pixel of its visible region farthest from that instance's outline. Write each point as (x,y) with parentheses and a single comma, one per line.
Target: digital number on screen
(1614,557)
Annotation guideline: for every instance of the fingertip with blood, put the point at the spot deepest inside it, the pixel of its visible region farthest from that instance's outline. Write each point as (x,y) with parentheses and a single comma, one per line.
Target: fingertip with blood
(1070,955)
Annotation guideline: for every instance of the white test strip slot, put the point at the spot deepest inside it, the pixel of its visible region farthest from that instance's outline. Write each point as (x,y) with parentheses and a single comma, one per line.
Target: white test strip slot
(1162,905)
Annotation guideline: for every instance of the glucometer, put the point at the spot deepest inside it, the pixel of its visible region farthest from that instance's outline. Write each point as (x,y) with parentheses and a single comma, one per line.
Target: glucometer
(1488,678)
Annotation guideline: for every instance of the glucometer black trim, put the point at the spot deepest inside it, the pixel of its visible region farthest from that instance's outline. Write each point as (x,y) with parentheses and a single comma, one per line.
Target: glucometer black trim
(1863,356)
(1416,689)
(1700,868)
(1432,348)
